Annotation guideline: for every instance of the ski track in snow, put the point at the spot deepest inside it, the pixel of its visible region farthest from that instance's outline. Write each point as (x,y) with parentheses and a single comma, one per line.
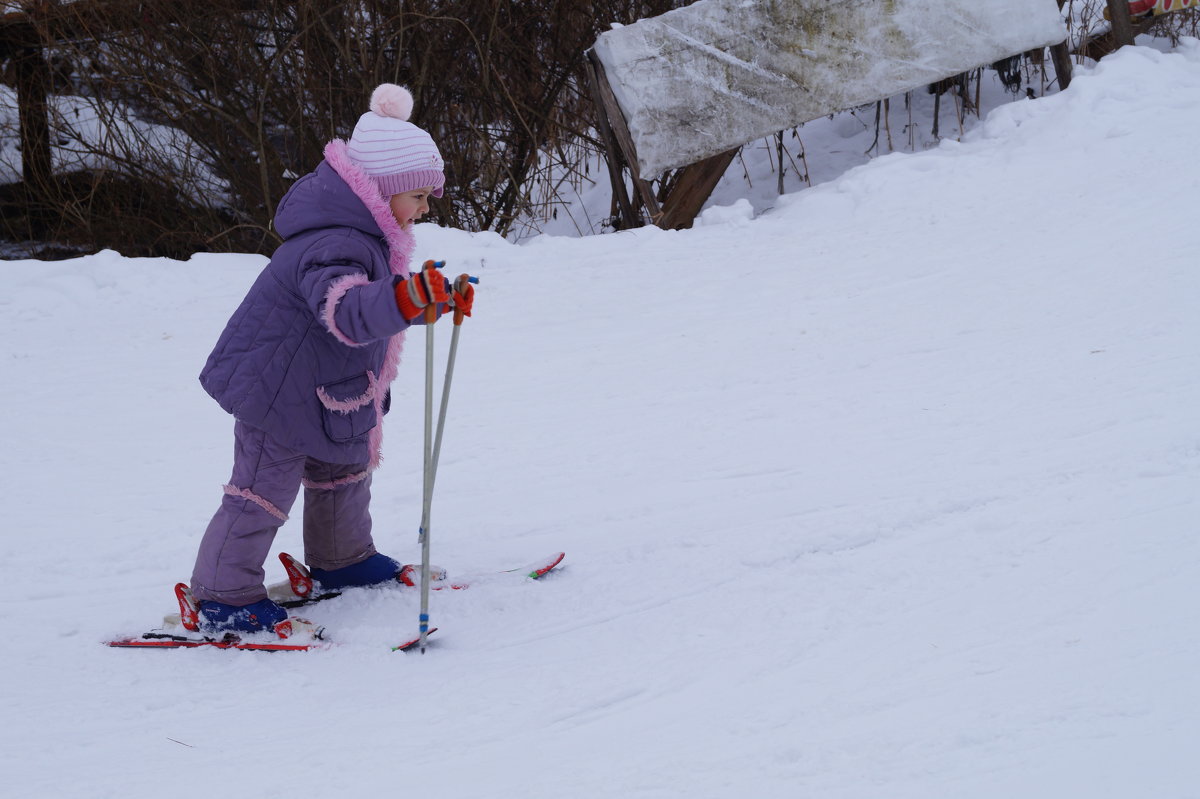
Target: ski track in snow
(888,491)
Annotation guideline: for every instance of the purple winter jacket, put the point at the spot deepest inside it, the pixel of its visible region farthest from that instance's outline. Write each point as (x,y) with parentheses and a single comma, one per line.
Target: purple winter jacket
(310,353)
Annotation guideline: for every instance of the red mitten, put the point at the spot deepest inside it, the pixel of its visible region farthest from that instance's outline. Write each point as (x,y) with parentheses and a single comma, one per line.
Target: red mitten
(464,296)
(425,287)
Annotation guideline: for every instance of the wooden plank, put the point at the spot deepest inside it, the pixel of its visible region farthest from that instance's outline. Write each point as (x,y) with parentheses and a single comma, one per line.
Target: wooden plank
(1097,47)
(620,130)
(614,159)
(692,188)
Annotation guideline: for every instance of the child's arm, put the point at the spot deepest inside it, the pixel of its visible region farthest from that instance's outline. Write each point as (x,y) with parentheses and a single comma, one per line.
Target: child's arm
(334,283)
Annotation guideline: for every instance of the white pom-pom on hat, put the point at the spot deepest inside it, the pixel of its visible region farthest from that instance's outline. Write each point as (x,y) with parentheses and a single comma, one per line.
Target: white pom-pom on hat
(390,100)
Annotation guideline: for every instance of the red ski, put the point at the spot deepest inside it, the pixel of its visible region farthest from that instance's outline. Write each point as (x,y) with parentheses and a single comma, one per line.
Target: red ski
(300,589)
(163,640)
(185,633)
(410,575)
(298,635)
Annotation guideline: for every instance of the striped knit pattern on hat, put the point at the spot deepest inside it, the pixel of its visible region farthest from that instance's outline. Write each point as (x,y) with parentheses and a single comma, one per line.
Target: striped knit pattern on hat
(396,154)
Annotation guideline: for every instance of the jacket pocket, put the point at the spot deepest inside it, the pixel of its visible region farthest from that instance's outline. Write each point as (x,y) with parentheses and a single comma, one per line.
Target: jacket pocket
(348,407)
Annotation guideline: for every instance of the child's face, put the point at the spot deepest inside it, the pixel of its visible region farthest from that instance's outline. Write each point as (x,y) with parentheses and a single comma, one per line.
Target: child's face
(410,206)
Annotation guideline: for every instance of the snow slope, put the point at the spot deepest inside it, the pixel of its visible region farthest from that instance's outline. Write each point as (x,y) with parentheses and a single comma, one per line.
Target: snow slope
(888,492)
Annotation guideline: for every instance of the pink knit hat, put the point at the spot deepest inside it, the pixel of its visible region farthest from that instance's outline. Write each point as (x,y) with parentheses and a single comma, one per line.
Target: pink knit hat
(396,154)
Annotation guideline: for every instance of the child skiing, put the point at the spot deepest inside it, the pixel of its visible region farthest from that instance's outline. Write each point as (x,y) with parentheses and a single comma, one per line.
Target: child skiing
(306,361)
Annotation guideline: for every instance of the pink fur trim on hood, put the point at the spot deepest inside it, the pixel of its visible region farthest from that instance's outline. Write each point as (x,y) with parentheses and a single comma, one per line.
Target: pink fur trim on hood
(400,241)
(400,244)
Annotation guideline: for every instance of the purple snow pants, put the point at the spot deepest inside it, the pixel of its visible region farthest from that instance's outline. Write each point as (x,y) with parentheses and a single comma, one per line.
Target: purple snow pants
(266,479)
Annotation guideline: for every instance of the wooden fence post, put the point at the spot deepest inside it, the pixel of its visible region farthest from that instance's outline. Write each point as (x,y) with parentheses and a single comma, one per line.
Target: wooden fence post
(1060,55)
(1122,23)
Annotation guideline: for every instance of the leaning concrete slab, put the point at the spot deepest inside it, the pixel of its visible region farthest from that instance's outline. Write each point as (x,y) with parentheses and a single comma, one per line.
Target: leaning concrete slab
(717,74)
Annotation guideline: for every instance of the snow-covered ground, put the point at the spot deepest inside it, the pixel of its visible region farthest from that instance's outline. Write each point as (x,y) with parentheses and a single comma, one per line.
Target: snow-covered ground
(888,491)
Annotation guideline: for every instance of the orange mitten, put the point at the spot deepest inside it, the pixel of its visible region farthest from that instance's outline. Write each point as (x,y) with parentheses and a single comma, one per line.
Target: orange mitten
(464,295)
(427,286)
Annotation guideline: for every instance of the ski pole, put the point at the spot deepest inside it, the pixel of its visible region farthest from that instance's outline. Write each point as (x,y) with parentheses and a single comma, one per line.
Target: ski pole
(433,450)
(441,423)
(427,472)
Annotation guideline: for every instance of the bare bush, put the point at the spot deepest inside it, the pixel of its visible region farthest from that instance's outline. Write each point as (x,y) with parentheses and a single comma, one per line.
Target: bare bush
(213,109)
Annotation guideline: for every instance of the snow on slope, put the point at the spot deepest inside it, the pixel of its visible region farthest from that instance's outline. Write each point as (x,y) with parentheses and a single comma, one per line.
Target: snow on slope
(890,491)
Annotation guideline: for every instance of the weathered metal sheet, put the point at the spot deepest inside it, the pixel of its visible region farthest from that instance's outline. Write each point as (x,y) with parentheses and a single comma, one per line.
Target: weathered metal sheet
(717,74)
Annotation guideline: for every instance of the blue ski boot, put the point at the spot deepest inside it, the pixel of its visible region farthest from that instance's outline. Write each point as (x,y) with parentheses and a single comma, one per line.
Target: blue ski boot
(375,570)
(257,617)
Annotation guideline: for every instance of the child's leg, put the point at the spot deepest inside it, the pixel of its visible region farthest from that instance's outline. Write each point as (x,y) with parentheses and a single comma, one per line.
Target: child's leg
(265,481)
(337,518)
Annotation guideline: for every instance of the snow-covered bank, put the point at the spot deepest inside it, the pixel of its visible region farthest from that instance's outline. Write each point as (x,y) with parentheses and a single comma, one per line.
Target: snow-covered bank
(891,491)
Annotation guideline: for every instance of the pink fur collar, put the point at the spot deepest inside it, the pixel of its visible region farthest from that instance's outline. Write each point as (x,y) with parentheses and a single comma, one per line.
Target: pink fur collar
(400,241)
(400,245)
